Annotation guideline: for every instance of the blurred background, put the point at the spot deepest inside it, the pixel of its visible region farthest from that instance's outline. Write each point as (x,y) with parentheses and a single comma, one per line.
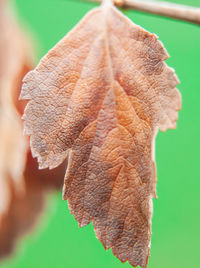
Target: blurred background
(57,241)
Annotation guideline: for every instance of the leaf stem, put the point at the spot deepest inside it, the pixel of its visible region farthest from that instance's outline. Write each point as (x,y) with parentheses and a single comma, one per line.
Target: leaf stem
(175,11)
(107,2)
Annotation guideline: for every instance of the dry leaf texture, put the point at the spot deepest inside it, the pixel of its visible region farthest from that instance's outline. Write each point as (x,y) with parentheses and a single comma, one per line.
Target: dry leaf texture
(23,187)
(98,98)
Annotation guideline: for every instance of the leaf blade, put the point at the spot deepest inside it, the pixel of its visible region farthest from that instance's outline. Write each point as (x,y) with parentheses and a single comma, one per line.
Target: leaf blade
(123,94)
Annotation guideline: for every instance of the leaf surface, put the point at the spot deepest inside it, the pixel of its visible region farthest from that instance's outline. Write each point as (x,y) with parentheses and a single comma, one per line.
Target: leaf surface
(98,99)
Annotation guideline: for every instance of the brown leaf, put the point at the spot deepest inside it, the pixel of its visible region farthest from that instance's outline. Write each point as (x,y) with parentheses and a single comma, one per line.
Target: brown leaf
(24,210)
(23,187)
(98,99)
(13,59)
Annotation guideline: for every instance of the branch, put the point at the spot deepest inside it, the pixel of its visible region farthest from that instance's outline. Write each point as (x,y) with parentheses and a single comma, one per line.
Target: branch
(175,11)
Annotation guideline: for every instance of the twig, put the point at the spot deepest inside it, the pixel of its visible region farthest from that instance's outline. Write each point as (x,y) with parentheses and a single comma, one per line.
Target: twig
(181,12)
(107,2)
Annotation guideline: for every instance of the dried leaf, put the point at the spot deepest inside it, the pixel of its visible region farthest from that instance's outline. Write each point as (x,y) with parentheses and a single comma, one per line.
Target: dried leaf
(12,143)
(98,98)
(23,187)
(24,211)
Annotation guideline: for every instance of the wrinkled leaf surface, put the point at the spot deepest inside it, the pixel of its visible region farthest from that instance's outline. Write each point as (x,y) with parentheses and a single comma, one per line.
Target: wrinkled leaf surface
(98,99)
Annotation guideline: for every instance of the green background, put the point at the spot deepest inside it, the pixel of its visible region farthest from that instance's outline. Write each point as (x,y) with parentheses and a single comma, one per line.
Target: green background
(57,241)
